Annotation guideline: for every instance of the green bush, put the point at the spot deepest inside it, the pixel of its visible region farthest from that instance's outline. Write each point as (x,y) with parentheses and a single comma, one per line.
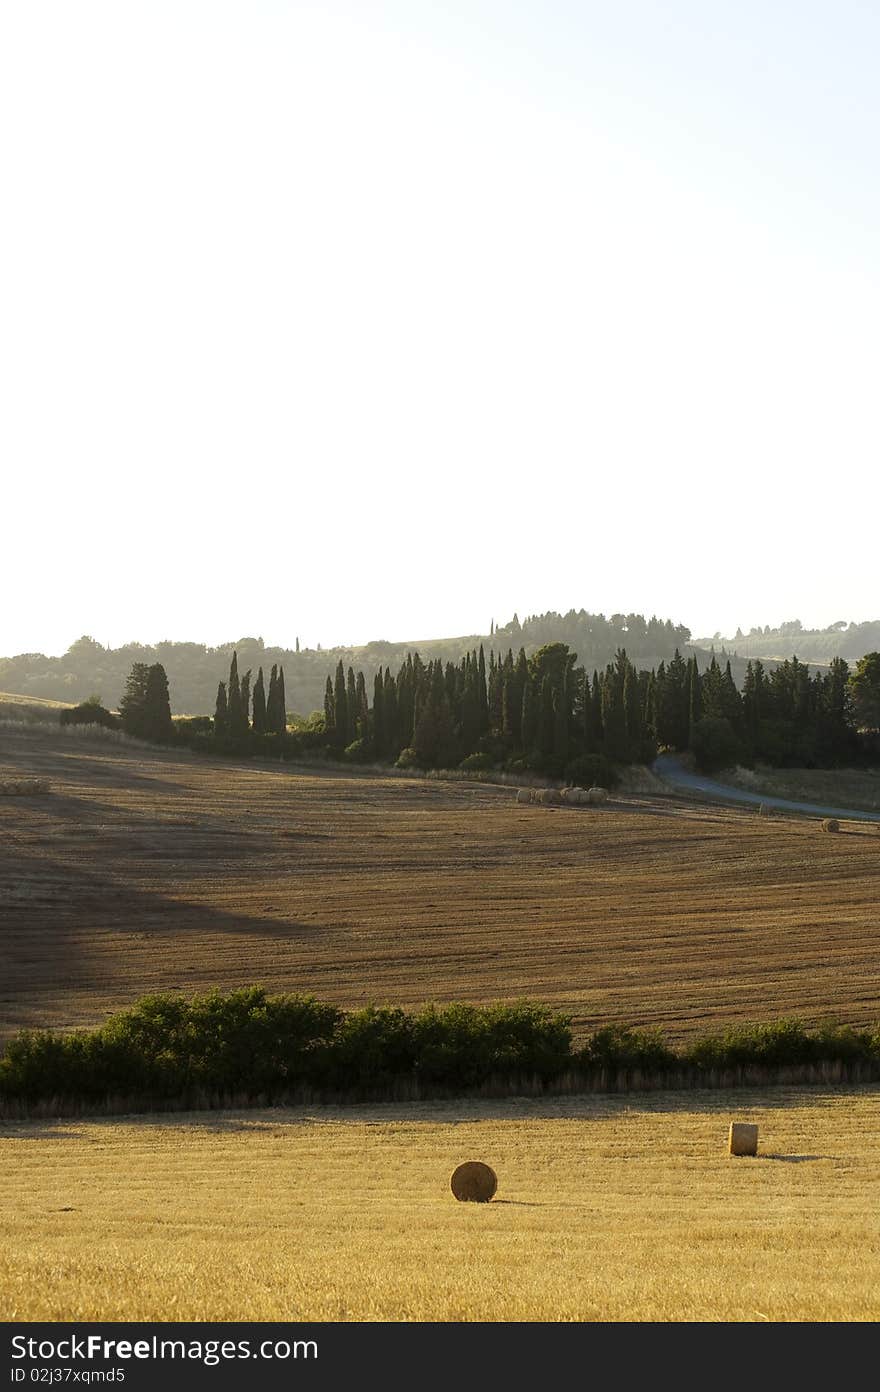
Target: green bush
(786,1041)
(477,763)
(463,1045)
(246,1042)
(619,1046)
(407,759)
(360,751)
(90,712)
(372,1046)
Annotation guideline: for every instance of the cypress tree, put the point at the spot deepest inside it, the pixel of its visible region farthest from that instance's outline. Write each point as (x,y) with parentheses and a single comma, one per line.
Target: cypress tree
(272,698)
(379,735)
(731,701)
(393,741)
(482,693)
(245,691)
(616,745)
(340,708)
(221,724)
(633,712)
(694,703)
(259,705)
(362,719)
(157,706)
(132,705)
(351,706)
(280,725)
(495,695)
(329,712)
(233,699)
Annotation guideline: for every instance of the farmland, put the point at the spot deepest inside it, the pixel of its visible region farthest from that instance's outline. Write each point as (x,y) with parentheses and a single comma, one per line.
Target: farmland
(147,870)
(607,1209)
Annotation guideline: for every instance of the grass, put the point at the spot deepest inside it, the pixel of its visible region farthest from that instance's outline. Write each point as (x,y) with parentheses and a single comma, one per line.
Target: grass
(858,789)
(607,1209)
(30,709)
(149,870)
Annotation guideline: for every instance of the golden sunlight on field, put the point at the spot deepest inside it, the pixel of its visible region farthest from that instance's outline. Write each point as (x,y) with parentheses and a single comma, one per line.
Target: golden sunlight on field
(607,1209)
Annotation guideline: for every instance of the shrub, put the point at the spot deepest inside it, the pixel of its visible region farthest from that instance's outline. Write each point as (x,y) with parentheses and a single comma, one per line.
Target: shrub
(90,712)
(186,725)
(407,758)
(620,1046)
(462,1045)
(372,1046)
(477,763)
(360,751)
(781,1042)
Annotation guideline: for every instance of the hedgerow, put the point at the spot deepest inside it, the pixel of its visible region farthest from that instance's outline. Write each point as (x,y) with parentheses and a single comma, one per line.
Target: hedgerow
(250,1044)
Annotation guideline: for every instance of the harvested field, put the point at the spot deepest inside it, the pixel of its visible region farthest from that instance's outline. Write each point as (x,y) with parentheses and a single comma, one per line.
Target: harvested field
(146,871)
(606,1209)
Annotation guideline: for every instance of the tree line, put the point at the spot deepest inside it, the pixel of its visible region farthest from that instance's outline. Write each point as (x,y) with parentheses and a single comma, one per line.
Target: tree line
(542,713)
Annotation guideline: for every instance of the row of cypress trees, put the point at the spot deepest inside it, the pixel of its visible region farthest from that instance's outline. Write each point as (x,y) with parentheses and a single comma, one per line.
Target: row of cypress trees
(237,713)
(545,713)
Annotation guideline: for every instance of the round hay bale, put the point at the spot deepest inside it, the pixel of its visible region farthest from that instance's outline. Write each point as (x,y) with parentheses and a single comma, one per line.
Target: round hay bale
(831,824)
(743,1138)
(473,1182)
(597,795)
(524,794)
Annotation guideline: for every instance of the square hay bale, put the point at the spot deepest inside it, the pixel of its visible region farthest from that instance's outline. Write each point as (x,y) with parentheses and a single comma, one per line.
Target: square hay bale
(743,1138)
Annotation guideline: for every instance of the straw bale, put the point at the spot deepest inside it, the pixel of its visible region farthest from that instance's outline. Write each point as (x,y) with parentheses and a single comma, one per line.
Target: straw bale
(831,824)
(743,1138)
(473,1182)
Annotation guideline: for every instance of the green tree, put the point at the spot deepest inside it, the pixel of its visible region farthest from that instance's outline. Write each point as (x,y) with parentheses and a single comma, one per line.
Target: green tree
(133,703)
(221,722)
(157,705)
(340,709)
(259,705)
(864,685)
(279,723)
(235,720)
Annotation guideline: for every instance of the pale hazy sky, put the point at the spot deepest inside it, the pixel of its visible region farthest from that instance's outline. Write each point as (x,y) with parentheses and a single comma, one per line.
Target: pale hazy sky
(380,320)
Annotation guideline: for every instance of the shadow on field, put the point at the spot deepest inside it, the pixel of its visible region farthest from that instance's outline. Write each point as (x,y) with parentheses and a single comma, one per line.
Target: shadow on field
(798,1159)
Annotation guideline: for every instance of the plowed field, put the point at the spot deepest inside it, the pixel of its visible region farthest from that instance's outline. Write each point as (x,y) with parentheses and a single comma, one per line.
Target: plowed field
(143,870)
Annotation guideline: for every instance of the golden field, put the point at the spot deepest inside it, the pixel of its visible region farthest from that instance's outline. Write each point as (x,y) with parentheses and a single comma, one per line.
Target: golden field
(146,870)
(619,1208)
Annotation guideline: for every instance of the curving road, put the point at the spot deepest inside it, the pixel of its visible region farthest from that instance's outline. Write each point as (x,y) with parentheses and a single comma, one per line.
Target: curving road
(670,768)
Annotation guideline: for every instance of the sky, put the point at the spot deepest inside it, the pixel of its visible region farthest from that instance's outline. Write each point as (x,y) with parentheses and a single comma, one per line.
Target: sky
(346,321)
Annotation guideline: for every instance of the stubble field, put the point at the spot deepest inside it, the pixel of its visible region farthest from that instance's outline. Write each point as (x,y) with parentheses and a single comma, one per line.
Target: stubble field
(144,870)
(607,1209)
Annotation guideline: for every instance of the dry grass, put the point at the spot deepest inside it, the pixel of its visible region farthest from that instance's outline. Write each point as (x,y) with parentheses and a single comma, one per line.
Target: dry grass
(607,1209)
(148,870)
(30,709)
(851,788)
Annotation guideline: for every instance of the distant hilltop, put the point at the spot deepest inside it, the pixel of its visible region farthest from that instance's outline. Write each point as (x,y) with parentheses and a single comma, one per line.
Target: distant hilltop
(813,645)
(194,669)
